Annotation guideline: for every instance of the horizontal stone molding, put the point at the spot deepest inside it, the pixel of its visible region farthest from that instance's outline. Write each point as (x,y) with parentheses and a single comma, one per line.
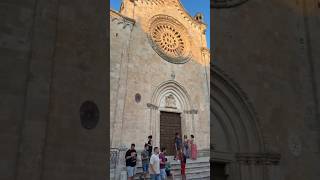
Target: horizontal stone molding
(152,106)
(258,158)
(192,111)
(119,19)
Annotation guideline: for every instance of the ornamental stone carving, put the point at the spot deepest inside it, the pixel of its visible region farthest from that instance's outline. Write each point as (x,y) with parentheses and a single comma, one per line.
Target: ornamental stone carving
(170,101)
(169,39)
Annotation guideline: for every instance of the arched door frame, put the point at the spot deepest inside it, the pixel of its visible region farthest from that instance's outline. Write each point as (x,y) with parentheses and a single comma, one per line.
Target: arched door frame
(246,157)
(184,107)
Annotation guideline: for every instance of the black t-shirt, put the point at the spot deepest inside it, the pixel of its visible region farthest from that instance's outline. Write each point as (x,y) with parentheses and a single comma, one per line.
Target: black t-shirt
(133,160)
(150,146)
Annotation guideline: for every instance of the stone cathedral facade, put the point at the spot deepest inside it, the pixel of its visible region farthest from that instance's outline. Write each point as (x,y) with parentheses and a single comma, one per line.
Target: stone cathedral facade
(159,75)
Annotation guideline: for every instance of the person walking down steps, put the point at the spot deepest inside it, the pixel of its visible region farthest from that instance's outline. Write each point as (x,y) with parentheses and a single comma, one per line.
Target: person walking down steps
(145,159)
(131,161)
(155,165)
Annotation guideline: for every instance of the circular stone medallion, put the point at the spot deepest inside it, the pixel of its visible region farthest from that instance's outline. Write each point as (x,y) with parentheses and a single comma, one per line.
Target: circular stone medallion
(89,115)
(169,39)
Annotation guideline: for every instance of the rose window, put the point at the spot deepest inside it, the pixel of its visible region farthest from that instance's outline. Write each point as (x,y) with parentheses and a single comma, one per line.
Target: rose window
(169,39)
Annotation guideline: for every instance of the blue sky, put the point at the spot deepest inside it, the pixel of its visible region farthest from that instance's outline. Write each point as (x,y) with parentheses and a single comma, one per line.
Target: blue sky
(192,6)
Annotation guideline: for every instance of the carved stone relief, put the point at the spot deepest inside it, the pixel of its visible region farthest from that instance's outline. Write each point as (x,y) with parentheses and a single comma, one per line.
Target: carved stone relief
(170,102)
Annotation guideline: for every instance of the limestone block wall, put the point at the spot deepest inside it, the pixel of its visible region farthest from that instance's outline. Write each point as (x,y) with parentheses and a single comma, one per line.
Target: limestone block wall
(53,58)
(270,49)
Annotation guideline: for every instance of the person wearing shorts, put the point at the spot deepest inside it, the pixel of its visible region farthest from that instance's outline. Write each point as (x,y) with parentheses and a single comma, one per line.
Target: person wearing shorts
(155,165)
(162,158)
(145,160)
(131,161)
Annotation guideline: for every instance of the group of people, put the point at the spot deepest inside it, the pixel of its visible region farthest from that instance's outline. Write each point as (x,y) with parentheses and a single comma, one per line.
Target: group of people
(187,146)
(156,164)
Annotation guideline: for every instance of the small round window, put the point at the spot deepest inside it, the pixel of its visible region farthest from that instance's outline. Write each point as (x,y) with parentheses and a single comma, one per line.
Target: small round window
(89,115)
(137,98)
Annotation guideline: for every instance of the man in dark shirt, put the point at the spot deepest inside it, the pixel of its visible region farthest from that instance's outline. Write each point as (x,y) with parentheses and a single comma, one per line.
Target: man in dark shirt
(131,161)
(150,145)
(177,143)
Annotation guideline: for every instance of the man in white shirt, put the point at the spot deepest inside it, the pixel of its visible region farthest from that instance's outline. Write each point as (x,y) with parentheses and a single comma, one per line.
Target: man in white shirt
(155,165)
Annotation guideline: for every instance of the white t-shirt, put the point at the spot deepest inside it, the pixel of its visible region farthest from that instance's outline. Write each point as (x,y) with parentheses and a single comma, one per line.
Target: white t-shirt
(155,161)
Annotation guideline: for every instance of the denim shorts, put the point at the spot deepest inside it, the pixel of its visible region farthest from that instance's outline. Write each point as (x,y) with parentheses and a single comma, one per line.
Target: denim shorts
(155,176)
(163,174)
(145,168)
(131,171)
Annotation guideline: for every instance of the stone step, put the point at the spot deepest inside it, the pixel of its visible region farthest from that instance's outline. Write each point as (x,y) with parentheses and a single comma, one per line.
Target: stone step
(191,173)
(189,167)
(195,169)
(202,176)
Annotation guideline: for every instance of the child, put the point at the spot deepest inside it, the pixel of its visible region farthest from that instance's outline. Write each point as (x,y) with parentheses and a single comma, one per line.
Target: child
(183,161)
(168,167)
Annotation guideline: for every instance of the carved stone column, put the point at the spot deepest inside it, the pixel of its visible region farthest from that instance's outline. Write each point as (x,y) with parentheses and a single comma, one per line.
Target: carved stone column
(154,121)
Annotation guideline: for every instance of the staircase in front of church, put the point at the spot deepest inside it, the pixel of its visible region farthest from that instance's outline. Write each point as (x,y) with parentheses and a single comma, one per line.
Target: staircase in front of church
(195,169)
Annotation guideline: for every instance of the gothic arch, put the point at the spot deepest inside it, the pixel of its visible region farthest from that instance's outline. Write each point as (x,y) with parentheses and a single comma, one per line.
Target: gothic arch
(174,88)
(234,112)
(183,106)
(236,136)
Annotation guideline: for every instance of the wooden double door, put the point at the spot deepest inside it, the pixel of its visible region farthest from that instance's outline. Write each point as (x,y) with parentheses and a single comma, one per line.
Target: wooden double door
(170,124)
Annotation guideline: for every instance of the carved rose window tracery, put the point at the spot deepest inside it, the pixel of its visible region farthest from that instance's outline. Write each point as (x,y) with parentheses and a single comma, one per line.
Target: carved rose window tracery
(169,39)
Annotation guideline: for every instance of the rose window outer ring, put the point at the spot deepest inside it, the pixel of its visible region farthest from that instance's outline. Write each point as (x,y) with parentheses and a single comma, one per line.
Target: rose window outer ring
(169,39)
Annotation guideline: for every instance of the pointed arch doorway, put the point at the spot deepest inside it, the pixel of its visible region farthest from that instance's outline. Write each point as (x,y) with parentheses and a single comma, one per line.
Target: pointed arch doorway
(238,147)
(171,111)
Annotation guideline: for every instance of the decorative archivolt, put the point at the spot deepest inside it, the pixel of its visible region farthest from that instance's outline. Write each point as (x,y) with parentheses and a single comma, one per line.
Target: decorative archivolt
(173,94)
(233,111)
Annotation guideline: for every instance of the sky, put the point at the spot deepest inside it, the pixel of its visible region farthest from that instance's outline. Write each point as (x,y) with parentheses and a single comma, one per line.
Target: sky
(192,6)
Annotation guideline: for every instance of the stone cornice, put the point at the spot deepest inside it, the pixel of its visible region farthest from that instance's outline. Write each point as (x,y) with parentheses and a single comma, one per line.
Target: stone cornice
(152,106)
(192,111)
(120,19)
(189,18)
(177,4)
(258,158)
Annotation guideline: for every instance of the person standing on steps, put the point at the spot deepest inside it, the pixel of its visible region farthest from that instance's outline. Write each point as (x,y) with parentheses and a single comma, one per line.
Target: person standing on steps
(168,168)
(186,146)
(131,161)
(155,165)
(194,151)
(145,158)
(162,157)
(150,145)
(183,162)
(177,143)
